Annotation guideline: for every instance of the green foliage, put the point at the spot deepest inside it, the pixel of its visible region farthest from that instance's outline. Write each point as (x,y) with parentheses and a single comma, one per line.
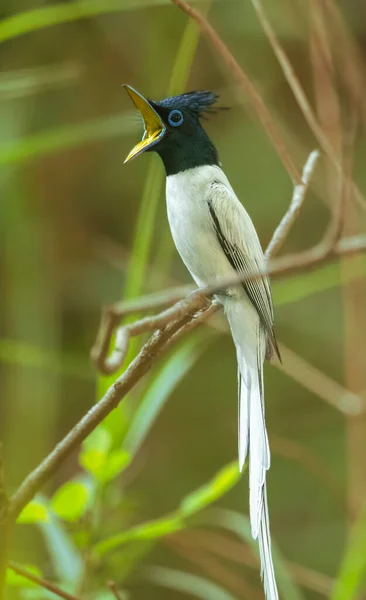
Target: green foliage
(225,479)
(98,459)
(71,501)
(34,512)
(63,13)
(207,494)
(352,574)
(17,580)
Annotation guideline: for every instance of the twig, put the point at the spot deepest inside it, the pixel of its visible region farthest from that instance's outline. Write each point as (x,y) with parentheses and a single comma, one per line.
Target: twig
(297,201)
(115,591)
(246,86)
(294,263)
(151,301)
(300,96)
(110,364)
(47,585)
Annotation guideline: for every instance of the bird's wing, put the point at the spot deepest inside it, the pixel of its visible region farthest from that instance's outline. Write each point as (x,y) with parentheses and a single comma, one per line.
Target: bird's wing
(239,241)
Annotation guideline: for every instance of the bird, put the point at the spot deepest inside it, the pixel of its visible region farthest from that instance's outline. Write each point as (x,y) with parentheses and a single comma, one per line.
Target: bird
(216,238)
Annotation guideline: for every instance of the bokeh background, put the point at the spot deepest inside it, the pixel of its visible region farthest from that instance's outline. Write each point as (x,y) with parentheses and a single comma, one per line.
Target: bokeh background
(79,229)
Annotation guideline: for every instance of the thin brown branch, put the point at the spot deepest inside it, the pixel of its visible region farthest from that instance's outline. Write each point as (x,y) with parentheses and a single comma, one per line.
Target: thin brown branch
(110,364)
(295,263)
(151,301)
(118,595)
(297,201)
(44,583)
(300,96)
(247,87)
(143,362)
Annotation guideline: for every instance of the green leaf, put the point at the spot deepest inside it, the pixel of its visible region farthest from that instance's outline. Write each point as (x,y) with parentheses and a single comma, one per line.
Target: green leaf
(39,18)
(187,584)
(33,512)
(147,531)
(352,573)
(162,386)
(16,580)
(71,501)
(94,451)
(220,484)
(92,461)
(115,464)
(100,439)
(240,524)
(96,457)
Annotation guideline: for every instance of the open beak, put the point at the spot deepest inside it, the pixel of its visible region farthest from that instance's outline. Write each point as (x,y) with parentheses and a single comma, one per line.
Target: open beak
(154,127)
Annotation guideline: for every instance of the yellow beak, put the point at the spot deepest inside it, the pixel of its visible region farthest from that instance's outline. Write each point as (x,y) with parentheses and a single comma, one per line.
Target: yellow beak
(154,127)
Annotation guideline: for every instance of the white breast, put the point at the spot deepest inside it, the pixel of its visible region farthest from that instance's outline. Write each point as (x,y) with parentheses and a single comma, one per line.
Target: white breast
(187,196)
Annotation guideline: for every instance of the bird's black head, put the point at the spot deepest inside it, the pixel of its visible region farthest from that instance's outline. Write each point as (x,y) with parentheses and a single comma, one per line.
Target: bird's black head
(173,130)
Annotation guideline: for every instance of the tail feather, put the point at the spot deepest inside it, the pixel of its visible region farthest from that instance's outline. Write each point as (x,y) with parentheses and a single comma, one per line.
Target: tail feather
(264,540)
(250,342)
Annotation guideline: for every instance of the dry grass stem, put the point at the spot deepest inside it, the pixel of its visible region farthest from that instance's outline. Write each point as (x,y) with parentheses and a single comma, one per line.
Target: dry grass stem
(246,86)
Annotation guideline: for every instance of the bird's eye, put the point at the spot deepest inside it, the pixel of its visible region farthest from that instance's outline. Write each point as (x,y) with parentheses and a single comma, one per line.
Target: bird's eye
(175,118)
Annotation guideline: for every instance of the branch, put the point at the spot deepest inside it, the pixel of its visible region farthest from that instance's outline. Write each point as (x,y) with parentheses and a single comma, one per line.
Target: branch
(47,585)
(143,362)
(297,201)
(110,364)
(246,86)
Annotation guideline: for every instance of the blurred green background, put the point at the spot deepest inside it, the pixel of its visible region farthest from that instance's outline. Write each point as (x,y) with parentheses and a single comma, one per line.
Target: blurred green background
(79,230)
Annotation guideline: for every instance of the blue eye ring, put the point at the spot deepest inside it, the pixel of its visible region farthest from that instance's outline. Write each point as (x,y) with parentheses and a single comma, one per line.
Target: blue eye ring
(175,118)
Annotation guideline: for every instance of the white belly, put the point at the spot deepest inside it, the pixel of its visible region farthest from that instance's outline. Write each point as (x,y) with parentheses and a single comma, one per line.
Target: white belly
(190,222)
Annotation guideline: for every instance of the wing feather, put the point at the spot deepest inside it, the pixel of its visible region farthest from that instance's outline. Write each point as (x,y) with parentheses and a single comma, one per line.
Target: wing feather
(242,260)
